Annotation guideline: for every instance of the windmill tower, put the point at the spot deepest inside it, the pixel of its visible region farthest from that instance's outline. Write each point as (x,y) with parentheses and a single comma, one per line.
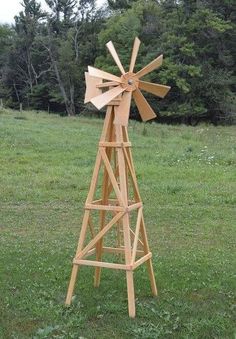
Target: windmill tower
(117,212)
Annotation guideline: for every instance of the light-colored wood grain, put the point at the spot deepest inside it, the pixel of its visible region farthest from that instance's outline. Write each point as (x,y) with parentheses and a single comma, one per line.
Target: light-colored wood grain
(71,284)
(104,98)
(122,111)
(106,84)
(149,262)
(134,54)
(144,108)
(125,221)
(112,178)
(101,264)
(108,134)
(119,250)
(156,63)
(104,207)
(102,74)
(156,89)
(137,228)
(114,144)
(115,56)
(116,157)
(99,235)
(92,89)
(140,261)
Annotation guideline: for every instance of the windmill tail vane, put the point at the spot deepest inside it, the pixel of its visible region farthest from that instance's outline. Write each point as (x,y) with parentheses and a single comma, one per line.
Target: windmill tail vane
(125,87)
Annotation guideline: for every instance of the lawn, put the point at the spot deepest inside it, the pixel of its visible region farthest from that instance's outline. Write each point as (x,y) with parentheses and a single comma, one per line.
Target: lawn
(187,180)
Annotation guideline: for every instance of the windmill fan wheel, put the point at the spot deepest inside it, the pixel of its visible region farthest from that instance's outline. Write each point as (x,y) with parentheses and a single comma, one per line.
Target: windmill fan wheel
(126,86)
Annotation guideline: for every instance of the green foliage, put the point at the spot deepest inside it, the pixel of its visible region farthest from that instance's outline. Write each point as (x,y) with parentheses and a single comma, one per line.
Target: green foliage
(187,181)
(52,50)
(192,39)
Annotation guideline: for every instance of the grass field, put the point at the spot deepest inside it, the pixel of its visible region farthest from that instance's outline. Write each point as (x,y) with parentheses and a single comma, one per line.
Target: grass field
(45,168)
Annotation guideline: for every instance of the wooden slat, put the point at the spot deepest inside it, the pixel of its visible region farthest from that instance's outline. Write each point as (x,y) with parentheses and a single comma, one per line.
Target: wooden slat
(107,84)
(114,144)
(104,98)
(120,250)
(94,180)
(122,111)
(104,207)
(99,235)
(142,260)
(144,108)
(133,176)
(115,56)
(91,87)
(156,89)
(90,252)
(101,264)
(102,74)
(125,222)
(134,206)
(112,177)
(135,243)
(134,54)
(102,214)
(156,63)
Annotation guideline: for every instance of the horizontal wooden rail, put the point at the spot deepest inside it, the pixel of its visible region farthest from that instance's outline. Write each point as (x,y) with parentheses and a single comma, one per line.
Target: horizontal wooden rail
(101,264)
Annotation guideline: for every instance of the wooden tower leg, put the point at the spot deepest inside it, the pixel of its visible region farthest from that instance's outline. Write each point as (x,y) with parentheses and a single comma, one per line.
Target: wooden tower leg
(149,262)
(116,175)
(75,267)
(71,284)
(129,159)
(125,220)
(83,229)
(106,136)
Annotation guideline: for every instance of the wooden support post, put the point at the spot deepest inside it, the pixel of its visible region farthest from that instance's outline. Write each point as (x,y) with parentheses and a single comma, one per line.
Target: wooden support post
(107,133)
(126,229)
(114,155)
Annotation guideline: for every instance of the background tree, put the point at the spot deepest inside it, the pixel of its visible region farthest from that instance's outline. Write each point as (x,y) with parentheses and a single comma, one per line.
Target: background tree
(44,55)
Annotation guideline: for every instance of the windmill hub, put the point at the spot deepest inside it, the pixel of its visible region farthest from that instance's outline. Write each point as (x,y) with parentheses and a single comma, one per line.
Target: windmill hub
(129,81)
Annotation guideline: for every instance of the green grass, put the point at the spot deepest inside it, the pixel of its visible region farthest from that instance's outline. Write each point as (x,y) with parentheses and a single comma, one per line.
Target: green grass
(187,181)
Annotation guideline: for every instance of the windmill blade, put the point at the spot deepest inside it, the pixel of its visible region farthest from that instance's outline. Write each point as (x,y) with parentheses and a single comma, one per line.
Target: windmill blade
(144,108)
(156,63)
(104,98)
(115,56)
(156,89)
(122,111)
(103,75)
(91,87)
(134,54)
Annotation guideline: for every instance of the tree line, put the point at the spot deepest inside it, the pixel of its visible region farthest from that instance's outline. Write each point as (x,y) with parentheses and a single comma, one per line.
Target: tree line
(44,54)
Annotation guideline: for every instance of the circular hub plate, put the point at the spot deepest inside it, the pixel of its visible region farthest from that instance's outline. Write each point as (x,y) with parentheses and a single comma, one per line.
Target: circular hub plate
(129,81)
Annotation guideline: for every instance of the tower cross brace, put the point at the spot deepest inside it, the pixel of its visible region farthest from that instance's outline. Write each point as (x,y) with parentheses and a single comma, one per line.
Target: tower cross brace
(119,181)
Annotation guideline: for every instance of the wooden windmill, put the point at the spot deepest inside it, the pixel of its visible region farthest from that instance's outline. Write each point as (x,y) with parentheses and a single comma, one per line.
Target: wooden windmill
(119,208)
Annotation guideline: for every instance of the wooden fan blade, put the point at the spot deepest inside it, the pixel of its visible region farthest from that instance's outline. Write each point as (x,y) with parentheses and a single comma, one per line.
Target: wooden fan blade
(134,54)
(159,90)
(91,87)
(156,63)
(104,98)
(103,75)
(144,108)
(114,54)
(122,111)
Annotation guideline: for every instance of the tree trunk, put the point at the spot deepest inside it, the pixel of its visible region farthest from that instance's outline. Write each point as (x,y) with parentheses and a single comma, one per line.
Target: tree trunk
(60,83)
(69,106)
